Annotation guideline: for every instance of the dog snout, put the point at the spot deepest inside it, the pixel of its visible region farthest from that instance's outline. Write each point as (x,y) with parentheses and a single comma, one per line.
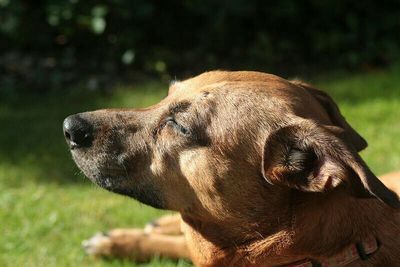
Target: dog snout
(78,132)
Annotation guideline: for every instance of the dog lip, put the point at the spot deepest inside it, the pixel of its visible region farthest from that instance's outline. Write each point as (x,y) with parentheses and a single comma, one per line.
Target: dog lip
(121,185)
(109,182)
(73,145)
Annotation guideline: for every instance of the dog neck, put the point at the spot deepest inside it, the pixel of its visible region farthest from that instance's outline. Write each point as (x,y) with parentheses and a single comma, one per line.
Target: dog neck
(326,224)
(319,226)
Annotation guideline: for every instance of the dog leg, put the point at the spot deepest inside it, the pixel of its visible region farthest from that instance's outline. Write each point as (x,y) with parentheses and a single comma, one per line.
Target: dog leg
(392,181)
(165,225)
(137,245)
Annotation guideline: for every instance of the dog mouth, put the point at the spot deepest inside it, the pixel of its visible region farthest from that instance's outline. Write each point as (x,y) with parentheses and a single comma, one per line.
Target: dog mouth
(108,172)
(143,192)
(110,183)
(111,159)
(112,175)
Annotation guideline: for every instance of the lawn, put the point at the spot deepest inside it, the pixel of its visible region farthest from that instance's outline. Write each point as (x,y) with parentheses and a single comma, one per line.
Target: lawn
(47,207)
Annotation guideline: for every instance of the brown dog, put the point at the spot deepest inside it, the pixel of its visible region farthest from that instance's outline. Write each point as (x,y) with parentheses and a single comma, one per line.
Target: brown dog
(263,171)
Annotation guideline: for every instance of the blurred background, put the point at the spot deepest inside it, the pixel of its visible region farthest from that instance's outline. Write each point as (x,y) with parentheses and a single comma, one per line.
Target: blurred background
(59,57)
(55,43)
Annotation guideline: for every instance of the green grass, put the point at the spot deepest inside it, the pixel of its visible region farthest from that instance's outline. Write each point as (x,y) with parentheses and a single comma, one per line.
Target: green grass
(47,207)
(371,103)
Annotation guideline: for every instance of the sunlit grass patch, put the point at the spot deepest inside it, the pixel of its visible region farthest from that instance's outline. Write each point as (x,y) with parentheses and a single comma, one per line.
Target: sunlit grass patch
(47,207)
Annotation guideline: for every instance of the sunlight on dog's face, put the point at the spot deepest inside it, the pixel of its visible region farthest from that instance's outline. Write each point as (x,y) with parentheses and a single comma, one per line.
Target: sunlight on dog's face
(177,152)
(201,149)
(190,151)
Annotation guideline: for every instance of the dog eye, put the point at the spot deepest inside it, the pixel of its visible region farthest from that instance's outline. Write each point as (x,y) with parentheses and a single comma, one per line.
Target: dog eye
(171,121)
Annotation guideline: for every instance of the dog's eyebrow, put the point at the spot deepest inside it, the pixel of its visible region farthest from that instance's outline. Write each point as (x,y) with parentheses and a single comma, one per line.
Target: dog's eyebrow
(179,107)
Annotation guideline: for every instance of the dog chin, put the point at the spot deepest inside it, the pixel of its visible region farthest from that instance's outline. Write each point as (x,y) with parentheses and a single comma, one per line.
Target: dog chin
(108,183)
(145,194)
(113,180)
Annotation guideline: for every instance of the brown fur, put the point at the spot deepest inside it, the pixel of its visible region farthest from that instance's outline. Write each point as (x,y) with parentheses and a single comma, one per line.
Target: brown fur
(263,171)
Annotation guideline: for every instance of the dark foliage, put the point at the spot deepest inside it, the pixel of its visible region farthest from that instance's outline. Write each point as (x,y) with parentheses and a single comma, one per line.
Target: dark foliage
(50,43)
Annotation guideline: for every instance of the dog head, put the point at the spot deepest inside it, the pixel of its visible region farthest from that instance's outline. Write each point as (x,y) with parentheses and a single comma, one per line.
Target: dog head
(221,140)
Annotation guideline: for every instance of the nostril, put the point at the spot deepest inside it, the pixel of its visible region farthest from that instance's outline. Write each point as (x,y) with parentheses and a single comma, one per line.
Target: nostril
(78,132)
(67,135)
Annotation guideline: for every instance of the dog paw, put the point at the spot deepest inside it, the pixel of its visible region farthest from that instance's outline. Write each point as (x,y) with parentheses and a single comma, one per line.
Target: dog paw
(166,225)
(149,227)
(98,245)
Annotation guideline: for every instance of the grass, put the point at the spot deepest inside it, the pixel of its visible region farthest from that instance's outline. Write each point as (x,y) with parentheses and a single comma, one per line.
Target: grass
(371,103)
(47,207)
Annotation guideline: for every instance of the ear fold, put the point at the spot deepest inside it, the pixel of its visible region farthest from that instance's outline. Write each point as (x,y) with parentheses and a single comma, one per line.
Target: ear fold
(349,134)
(311,158)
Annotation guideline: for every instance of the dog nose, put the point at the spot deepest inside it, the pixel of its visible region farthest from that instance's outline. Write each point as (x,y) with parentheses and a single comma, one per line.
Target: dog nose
(78,132)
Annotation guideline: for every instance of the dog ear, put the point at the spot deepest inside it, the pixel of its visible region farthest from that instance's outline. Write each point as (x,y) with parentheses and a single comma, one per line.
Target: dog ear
(349,134)
(311,158)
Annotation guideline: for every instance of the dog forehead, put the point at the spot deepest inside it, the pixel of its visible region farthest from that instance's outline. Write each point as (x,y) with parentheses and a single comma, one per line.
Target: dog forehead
(213,77)
(214,80)
(251,89)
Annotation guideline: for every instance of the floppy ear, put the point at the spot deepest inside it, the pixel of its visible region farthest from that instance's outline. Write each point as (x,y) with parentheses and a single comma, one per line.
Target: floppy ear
(349,134)
(311,158)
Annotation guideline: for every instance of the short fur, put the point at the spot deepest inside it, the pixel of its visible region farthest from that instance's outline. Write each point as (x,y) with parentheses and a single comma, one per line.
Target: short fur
(263,171)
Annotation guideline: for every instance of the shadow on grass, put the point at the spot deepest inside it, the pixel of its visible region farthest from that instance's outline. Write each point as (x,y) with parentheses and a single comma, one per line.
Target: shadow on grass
(32,145)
